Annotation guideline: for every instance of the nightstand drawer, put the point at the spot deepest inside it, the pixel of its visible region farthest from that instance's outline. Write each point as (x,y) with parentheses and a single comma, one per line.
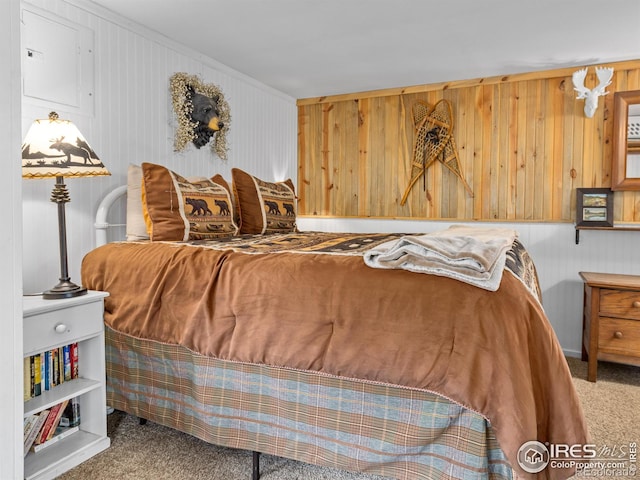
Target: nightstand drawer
(47,330)
(611,319)
(619,336)
(620,303)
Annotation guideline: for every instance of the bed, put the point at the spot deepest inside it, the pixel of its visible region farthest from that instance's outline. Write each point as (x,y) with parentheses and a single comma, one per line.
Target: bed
(246,333)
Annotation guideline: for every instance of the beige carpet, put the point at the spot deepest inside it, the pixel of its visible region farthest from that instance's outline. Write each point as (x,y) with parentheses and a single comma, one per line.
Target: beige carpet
(140,452)
(611,406)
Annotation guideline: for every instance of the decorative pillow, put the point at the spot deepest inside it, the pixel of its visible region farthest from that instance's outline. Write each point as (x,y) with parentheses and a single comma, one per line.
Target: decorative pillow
(264,207)
(136,226)
(179,210)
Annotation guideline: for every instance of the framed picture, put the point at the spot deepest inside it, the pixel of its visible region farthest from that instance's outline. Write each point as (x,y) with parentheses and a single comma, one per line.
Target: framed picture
(594,207)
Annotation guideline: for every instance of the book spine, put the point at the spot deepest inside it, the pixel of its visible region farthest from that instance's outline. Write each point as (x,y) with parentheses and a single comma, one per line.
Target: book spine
(51,369)
(56,370)
(42,379)
(29,421)
(32,376)
(66,352)
(33,433)
(26,374)
(74,360)
(56,420)
(49,426)
(37,375)
(47,371)
(61,364)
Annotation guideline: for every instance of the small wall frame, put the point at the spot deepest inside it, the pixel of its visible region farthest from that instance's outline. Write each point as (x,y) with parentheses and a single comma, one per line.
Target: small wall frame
(594,207)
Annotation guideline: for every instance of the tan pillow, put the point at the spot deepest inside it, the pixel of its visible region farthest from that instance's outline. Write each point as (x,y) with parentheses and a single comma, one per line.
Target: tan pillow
(264,207)
(136,226)
(180,210)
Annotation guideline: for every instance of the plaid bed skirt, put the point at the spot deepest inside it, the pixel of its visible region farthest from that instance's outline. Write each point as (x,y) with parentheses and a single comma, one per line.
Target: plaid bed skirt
(353,425)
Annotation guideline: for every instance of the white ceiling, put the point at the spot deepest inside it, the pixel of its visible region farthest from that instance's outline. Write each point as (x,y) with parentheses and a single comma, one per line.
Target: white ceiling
(308,48)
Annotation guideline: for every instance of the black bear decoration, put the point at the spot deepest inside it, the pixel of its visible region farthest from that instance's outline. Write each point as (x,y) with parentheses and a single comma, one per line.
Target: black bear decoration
(202,114)
(205,114)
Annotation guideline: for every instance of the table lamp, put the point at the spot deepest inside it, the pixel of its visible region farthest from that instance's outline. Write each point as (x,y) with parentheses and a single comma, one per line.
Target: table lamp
(56,148)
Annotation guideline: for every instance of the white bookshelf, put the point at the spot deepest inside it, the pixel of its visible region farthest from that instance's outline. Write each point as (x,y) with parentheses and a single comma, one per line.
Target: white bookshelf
(49,324)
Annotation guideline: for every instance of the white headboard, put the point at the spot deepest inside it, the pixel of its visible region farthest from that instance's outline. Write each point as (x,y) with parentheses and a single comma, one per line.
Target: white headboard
(101,225)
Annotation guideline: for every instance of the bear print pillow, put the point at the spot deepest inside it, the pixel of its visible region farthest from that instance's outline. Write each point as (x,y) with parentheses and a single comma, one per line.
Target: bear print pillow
(264,207)
(177,209)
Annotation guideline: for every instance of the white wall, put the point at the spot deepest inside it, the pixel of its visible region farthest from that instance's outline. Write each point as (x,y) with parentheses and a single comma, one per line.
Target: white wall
(10,246)
(133,121)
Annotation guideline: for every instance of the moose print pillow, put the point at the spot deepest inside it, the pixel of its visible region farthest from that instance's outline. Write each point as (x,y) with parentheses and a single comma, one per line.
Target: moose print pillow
(177,209)
(264,207)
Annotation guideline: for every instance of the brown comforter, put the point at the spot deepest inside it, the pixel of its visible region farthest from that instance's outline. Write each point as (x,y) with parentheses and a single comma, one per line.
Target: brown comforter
(492,352)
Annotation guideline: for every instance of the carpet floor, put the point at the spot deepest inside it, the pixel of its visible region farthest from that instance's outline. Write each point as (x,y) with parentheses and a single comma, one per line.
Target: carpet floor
(153,452)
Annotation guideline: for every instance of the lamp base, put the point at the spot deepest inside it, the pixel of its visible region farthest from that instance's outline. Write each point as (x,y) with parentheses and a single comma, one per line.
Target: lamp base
(64,290)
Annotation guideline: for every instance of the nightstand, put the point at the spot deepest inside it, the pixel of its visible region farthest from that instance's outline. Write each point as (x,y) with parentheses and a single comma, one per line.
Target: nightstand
(611,320)
(49,324)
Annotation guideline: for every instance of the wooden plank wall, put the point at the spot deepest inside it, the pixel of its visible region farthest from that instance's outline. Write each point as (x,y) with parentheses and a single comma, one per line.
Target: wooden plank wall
(523,142)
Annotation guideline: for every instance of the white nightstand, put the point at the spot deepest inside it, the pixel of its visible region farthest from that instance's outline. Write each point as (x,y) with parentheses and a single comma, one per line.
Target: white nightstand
(49,324)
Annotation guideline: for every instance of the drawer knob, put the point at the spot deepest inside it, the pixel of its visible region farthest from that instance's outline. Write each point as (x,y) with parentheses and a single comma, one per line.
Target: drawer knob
(636,304)
(618,334)
(60,328)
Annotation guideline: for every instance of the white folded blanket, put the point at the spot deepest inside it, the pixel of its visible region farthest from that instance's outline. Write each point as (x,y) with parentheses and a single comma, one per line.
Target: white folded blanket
(475,255)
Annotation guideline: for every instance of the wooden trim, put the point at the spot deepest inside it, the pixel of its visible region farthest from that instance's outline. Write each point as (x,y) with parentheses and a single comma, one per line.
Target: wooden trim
(619,281)
(473,82)
(619,180)
(592,368)
(430,219)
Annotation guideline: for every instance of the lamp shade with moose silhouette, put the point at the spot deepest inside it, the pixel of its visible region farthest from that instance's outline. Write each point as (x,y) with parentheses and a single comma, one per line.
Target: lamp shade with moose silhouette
(56,148)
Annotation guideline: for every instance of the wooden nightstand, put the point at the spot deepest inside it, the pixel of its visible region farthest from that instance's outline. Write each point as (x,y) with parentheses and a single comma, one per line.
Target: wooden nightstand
(611,320)
(49,324)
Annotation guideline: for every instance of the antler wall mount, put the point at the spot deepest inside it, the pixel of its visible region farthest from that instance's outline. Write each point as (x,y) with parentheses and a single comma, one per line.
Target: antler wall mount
(604,74)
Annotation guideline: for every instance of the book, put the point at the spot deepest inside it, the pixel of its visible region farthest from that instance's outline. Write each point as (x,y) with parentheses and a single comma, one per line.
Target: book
(39,434)
(55,374)
(57,418)
(59,434)
(37,375)
(34,429)
(29,420)
(51,379)
(32,376)
(47,370)
(61,364)
(50,425)
(26,373)
(42,379)
(74,360)
(66,355)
